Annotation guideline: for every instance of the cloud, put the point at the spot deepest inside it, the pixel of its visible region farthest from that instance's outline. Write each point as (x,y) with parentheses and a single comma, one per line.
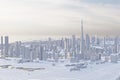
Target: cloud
(103,1)
(59,17)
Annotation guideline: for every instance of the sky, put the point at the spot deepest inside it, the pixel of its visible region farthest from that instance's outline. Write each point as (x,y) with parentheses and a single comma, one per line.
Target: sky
(35,19)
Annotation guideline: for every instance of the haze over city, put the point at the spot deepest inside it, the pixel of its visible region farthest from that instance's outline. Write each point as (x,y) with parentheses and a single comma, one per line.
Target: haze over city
(59,39)
(34,19)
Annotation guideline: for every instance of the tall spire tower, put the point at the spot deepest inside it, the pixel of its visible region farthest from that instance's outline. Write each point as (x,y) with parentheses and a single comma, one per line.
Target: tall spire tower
(82,40)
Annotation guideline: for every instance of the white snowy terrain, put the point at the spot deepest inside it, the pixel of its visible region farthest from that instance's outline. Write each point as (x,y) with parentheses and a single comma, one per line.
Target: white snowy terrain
(106,71)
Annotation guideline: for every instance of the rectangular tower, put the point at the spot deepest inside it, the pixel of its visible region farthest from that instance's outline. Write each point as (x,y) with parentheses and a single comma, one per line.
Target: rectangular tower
(2,45)
(82,41)
(6,46)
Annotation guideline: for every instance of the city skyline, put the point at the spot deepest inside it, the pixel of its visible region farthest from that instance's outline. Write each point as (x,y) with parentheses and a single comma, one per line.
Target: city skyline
(59,39)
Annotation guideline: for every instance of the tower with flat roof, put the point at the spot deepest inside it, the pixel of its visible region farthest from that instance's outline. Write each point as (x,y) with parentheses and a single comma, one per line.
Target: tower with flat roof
(2,45)
(6,46)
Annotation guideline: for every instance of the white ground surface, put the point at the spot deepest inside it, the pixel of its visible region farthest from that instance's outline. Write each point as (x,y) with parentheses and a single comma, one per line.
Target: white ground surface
(107,71)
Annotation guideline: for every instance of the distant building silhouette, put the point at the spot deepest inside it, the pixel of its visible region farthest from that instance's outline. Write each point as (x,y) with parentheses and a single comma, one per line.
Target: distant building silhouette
(82,40)
(6,46)
(2,46)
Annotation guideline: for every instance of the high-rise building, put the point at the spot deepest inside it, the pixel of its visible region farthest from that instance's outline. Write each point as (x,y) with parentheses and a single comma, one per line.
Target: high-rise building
(93,39)
(2,45)
(17,49)
(6,46)
(116,45)
(87,42)
(82,40)
(73,45)
(105,47)
(98,41)
(41,52)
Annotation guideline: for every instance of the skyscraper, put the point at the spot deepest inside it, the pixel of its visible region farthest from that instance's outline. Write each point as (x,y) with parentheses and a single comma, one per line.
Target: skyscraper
(17,49)
(6,46)
(82,40)
(41,52)
(87,42)
(73,45)
(105,47)
(116,45)
(2,45)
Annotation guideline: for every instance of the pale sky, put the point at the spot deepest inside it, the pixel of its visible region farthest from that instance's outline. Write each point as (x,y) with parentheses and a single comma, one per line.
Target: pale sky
(31,19)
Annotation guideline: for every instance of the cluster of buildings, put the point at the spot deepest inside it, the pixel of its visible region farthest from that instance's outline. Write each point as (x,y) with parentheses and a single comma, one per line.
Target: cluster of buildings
(74,48)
